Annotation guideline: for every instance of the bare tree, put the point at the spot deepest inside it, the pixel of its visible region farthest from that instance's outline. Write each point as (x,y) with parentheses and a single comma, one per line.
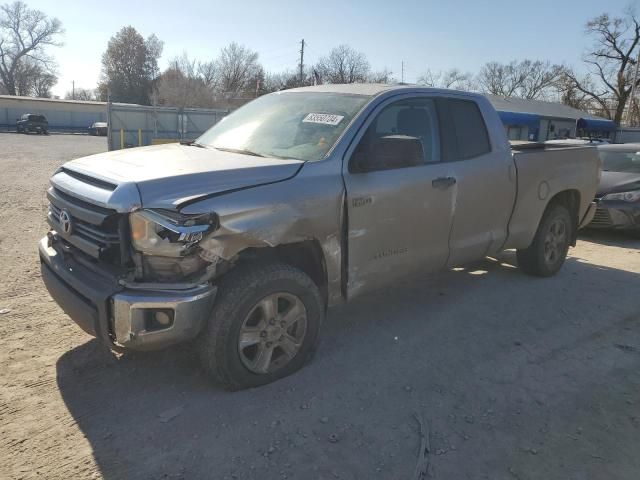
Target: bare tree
(569,94)
(454,79)
(237,66)
(381,76)
(208,72)
(611,61)
(42,84)
(33,79)
(24,35)
(84,94)
(530,79)
(181,85)
(343,65)
(130,66)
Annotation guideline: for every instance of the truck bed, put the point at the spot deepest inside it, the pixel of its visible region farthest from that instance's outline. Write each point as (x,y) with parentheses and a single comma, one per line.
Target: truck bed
(543,171)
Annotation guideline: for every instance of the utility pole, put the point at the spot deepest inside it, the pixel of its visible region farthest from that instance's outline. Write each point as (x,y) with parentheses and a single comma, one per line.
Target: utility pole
(73,89)
(633,91)
(402,75)
(302,62)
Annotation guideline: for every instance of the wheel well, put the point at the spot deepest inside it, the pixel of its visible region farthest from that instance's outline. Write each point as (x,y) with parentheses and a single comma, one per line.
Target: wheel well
(571,200)
(306,256)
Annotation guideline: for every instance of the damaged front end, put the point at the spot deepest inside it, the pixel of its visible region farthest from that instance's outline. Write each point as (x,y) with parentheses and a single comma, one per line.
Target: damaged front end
(138,265)
(167,248)
(140,291)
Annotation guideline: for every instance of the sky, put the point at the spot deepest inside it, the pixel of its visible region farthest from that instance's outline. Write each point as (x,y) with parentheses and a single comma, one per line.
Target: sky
(426,34)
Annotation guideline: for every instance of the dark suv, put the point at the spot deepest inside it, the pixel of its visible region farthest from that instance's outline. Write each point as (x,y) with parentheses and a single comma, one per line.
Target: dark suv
(30,122)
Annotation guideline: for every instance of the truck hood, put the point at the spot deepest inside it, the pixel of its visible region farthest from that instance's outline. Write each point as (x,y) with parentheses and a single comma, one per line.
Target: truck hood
(612,182)
(168,176)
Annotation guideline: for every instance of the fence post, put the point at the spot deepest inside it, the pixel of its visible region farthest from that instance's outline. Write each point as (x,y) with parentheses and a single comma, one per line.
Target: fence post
(109,132)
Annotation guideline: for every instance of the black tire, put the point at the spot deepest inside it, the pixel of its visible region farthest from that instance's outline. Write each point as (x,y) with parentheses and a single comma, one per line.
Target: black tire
(538,259)
(239,293)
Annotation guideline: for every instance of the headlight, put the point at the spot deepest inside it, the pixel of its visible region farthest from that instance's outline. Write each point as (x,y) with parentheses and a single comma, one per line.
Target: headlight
(624,196)
(168,234)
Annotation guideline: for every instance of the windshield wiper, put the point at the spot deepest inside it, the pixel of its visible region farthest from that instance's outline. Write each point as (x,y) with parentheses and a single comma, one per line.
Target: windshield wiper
(241,151)
(191,143)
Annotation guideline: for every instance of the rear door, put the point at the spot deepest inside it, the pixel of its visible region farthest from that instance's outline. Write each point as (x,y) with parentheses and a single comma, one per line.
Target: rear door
(398,217)
(485,178)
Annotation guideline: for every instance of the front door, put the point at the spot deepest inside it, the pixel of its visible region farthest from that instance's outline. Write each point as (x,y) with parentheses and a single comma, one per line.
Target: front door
(400,196)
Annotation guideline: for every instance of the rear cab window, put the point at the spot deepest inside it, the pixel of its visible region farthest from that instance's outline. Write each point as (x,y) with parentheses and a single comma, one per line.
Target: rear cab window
(464,132)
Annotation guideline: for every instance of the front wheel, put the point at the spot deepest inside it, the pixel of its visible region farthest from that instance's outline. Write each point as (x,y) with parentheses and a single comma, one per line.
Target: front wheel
(548,251)
(264,325)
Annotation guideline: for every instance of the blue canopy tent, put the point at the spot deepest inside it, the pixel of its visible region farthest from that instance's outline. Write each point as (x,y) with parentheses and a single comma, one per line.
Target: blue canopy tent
(590,126)
(519,119)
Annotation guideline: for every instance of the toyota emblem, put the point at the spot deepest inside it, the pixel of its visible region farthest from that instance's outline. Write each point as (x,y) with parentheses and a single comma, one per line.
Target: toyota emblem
(65,222)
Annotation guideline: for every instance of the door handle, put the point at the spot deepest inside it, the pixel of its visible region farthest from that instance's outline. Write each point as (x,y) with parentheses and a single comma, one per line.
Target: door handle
(444,182)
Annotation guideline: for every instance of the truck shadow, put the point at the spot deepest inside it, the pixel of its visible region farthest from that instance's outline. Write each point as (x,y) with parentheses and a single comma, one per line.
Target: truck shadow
(156,415)
(611,238)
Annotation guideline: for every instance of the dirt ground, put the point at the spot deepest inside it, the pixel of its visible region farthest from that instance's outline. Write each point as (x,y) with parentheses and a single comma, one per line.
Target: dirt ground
(517,378)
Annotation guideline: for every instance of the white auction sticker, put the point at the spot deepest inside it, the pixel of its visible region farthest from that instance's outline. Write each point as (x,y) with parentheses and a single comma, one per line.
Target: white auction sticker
(324,118)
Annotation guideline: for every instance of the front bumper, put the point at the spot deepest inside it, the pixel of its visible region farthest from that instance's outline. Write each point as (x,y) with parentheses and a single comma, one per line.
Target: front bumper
(616,215)
(588,216)
(122,317)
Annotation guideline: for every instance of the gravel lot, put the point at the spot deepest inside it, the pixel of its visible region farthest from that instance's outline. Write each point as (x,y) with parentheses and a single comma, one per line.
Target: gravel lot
(517,378)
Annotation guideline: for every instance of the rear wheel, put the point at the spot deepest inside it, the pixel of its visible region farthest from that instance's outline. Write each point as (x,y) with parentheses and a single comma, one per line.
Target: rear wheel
(548,251)
(264,325)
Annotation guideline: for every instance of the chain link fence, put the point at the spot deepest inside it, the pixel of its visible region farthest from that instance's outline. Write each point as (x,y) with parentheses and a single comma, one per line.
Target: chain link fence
(137,125)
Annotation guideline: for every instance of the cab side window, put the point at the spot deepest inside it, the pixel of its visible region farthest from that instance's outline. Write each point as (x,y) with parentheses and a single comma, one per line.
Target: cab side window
(404,134)
(465,134)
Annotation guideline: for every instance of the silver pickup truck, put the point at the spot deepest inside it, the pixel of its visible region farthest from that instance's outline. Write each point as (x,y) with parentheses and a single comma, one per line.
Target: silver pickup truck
(296,202)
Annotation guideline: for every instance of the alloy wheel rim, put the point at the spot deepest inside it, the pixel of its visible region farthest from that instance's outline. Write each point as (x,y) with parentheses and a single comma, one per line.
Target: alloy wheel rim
(272,333)
(555,241)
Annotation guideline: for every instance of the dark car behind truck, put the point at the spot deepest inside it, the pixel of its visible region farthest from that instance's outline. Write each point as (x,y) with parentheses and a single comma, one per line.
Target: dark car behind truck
(31,122)
(618,194)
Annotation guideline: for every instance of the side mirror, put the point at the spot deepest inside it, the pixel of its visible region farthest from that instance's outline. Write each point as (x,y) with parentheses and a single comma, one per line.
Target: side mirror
(388,153)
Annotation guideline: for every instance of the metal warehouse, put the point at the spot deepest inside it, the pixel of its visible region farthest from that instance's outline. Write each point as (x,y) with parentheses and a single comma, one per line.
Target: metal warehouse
(63,115)
(539,121)
(134,125)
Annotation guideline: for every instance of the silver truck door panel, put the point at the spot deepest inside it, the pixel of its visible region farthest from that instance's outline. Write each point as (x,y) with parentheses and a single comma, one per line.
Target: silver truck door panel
(398,223)
(484,196)
(484,190)
(399,215)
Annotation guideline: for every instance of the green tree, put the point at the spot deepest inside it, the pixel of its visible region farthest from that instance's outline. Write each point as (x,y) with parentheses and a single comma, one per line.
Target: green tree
(130,67)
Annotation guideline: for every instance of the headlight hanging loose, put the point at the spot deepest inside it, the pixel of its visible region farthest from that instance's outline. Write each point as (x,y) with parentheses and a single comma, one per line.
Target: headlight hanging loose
(168,234)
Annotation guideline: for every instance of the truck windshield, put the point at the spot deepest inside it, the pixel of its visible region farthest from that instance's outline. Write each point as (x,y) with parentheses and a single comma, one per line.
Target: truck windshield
(625,162)
(302,126)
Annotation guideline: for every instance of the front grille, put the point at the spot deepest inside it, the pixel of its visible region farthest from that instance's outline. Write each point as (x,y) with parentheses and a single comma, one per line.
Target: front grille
(95,230)
(602,218)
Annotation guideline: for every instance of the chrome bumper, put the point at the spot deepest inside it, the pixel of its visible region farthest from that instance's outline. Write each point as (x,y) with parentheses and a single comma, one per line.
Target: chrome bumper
(123,317)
